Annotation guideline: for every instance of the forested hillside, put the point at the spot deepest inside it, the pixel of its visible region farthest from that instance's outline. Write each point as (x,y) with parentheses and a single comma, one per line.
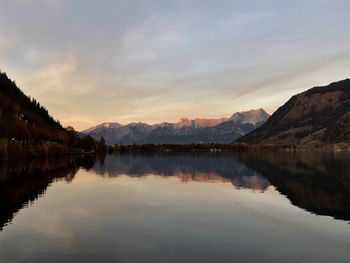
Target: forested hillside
(27,128)
(24,119)
(316,118)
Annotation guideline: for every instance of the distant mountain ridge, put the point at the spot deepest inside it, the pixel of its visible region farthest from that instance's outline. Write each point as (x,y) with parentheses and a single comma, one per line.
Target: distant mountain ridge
(317,117)
(185,131)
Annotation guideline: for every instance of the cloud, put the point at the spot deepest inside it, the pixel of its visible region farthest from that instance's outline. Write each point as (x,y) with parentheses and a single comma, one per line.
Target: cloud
(7,42)
(54,4)
(52,77)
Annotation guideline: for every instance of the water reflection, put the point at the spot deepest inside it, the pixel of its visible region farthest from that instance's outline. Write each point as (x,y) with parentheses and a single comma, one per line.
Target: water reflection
(22,182)
(199,168)
(318,183)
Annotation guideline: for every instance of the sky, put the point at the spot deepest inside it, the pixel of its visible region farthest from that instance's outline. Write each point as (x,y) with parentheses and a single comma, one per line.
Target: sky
(91,61)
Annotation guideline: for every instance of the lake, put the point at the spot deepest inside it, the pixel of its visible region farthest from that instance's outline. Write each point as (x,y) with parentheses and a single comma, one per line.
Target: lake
(267,207)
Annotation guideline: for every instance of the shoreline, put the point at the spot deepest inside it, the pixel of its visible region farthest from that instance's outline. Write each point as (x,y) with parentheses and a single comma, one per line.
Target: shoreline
(236,147)
(63,151)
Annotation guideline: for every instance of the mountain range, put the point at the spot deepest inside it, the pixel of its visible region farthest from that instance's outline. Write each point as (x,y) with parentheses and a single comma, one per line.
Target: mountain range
(315,118)
(185,131)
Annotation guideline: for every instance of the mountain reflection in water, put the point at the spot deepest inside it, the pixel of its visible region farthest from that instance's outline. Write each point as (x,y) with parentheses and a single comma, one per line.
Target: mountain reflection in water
(198,168)
(318,183)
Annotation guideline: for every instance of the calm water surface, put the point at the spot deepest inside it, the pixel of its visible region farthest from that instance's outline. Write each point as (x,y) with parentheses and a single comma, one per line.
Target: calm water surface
(177,208)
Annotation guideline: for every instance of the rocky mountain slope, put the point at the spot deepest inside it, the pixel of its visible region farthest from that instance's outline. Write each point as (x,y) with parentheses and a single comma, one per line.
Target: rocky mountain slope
(186,131)
(315,118)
